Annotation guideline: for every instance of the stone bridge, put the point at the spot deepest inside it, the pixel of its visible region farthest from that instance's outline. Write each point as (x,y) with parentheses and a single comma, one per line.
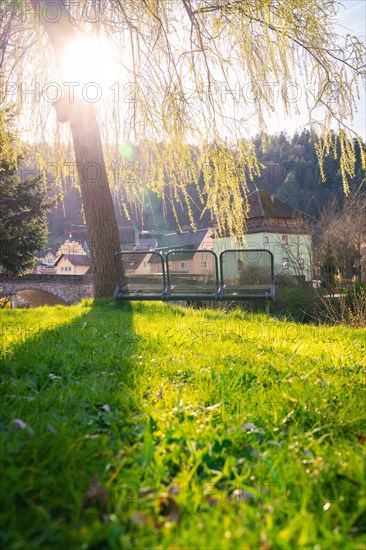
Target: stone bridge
(48,289)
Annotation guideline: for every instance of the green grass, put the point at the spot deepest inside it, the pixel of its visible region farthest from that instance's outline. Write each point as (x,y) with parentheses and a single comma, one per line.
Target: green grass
(154,426)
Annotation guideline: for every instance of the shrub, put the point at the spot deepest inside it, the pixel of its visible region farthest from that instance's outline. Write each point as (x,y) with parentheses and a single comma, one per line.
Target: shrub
(299,302)
(253,275)
(348,308)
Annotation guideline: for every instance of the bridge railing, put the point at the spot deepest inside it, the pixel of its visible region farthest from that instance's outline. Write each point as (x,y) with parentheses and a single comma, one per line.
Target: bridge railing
(184,274)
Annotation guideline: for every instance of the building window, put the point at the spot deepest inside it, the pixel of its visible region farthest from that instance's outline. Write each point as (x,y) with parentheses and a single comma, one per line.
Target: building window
(203,264)
(183,265)
(285,264)
(266,240)
(284,239)
(301,263)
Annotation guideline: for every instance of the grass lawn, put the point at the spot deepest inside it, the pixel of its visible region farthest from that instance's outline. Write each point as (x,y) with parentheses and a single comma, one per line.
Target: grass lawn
(154,426)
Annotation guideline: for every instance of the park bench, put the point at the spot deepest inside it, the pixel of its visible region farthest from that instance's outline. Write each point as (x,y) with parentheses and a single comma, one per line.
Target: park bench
(195,275)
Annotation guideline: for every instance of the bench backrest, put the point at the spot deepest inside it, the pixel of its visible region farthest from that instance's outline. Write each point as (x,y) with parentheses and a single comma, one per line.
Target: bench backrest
(192,273)
(246,274)
(140,276)
(184,274)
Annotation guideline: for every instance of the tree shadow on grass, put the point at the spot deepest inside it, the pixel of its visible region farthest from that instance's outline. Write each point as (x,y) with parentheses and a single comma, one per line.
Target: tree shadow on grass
(71,427)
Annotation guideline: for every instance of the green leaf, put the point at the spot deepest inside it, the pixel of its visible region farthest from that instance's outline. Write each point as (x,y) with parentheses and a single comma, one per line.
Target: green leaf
(147,452)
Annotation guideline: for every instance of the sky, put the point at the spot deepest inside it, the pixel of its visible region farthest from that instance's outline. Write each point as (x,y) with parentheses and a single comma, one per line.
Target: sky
(352,19)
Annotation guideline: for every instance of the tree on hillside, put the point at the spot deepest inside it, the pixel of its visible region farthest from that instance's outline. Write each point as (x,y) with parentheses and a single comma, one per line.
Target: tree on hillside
(292,172)
(341,239)
(194,72)
(23,205)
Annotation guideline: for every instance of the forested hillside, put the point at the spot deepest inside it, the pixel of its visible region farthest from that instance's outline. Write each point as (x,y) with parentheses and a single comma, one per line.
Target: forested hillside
(292,173)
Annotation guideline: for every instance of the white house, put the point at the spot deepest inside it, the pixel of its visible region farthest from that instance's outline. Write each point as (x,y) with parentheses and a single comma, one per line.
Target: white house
(72,264)
(276,226)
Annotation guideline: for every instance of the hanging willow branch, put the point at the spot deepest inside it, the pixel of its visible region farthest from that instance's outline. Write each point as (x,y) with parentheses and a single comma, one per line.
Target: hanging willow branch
(198,76)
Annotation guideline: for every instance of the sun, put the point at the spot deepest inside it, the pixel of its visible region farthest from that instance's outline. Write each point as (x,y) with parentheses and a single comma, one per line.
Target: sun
(89,61)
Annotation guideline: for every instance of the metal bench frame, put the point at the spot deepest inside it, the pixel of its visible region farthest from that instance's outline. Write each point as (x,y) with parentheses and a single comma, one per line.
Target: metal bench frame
(219,294)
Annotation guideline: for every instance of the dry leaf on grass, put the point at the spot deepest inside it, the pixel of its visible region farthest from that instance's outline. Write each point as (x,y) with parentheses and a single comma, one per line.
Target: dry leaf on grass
(95,494)
(145,491)
(211,500)
(18,423)
(169,509)
(249,427)
(139,518)
(174,490)
(242,495)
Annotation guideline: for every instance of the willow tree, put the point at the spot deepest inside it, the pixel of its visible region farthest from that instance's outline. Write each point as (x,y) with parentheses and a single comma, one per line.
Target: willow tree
(186,73)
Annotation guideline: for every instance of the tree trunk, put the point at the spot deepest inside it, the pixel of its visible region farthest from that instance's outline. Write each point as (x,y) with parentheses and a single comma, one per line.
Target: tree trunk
(103,235)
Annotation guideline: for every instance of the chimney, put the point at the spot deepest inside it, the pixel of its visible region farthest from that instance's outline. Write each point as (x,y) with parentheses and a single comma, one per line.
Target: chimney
(272,198)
